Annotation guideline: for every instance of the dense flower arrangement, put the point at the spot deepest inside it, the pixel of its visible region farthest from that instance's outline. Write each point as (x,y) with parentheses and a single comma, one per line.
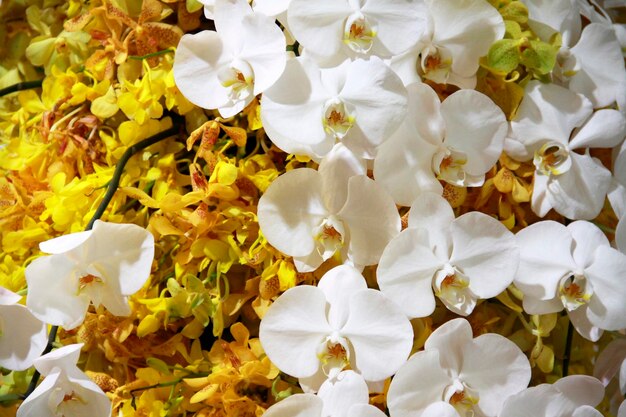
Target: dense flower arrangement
(328,208)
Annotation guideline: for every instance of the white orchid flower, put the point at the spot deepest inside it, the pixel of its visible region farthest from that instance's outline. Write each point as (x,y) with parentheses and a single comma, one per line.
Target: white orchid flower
(589,62)
(461,260)
(22,336)
(102,266)
(359,103)
(311,214)
(311,331)
(473,376)
(611,364)
(594,66)
(457,34)
(347,396)
(65,390)
(552,122)
(456,141)
(338,29)
(226,69)
(575,268)
(572,396)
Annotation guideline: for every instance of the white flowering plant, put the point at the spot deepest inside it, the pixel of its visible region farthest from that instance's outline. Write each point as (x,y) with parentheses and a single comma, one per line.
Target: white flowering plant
(330,208)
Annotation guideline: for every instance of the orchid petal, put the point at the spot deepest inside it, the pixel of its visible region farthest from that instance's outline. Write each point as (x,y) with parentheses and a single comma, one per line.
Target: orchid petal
(264,50)
(415,155)
(369,95)
(348,389)
(457,21)
(291,208)
(65,243)
(580,320)
(405,272)
(8,297)
(371,217)
(65,358)
(440,409)
(295,104)
(486,251)
(587,237)
(451,339)
(289,345)
(607,309)
(545,258)
(338,285)
(496,368)
(609,361)
(319,26)
(123,253)
(602,65)
(297,405)
(581,389)
(198,59)
(55,301)
(540,203)
(380,333)
(606,128)
(433,213)
(548,111)
(228,16)
(399,24)
(475,126)
(336,169)
(22,339)
(533,305)
(364,410)
(417,384)
(579,193)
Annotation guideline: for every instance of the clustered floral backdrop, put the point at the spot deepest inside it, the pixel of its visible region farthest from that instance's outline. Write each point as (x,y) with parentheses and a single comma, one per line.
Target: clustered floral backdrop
(328,208)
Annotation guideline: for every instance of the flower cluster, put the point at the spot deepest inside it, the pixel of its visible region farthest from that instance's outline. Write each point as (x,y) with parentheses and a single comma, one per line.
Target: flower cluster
(330,208)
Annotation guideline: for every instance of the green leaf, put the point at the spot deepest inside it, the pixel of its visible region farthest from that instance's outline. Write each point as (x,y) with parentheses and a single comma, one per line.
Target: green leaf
(503,56)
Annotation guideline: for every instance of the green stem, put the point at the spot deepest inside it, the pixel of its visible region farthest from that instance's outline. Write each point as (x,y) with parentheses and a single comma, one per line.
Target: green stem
(119,169)
(26,85)
(153,54)
(111,188)
(568,348)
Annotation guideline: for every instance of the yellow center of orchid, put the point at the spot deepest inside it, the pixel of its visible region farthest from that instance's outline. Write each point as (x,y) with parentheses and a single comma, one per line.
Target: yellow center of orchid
(552,159)
(358,34)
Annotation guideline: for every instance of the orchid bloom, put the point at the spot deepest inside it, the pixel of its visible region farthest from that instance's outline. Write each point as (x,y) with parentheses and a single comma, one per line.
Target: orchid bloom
(574,184)
(316,332)
(311,215)
(338,29)
(457,375)
(461,260)
(309,109)
(347,396)
(226,69)
(589,62)
(104,266)
(458,33)
(22,336)
(571,396)
(65,390)
(572,267)
(456,141)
